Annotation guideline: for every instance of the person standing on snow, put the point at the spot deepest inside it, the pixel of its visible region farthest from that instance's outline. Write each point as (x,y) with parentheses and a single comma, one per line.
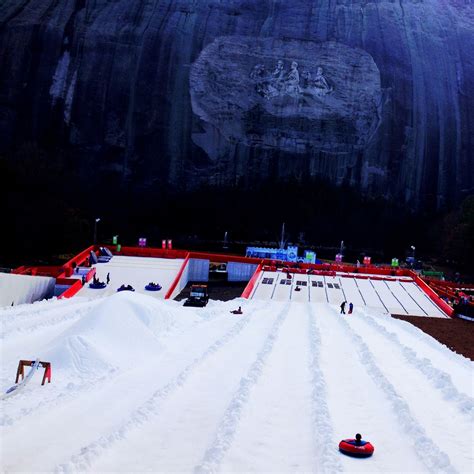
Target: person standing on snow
(343,307)
(351,307)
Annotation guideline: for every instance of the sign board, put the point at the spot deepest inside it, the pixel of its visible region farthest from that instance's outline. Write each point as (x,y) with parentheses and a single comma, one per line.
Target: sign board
(292,253)
(309,256)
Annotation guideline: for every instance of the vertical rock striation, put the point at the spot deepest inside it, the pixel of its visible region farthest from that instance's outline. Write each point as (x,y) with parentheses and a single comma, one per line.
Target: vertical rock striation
(117,84)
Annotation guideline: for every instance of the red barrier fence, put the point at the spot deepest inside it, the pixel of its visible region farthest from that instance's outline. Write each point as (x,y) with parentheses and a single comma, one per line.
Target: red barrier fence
(76,285)
(72,290)
(329,269)
(386,275)
(147,252)
(19,270)
(454,295)
(448,284)
(224,258)
(78,260)
(68,268)
(177,278)
(47,271)
(432,295)
(252,282)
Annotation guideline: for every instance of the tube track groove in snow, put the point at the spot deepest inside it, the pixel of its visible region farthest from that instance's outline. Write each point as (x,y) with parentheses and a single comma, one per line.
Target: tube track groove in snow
(15,312)
(61,397)
(440,380)
(428,452)
(424,338)
(323,432)
(42,324)
(83,460)
(228,425)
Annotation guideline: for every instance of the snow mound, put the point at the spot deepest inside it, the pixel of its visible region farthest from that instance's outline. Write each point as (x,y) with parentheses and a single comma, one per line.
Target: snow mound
(117,332)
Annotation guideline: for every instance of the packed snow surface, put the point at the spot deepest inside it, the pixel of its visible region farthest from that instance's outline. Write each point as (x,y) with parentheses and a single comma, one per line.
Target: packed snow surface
(140,384)
(395,295)
(134,271)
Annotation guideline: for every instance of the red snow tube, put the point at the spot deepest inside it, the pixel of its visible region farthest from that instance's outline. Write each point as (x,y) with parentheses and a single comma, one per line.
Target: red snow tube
(363,449)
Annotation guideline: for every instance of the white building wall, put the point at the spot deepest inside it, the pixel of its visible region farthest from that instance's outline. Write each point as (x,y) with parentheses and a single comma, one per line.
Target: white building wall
(198,269)
(240,271)
(19,289)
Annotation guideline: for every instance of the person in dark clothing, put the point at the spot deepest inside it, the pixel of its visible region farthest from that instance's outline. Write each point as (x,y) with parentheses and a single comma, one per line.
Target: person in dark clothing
(343,307)
(83,280)
(108,278)
(351,307)
(358,439)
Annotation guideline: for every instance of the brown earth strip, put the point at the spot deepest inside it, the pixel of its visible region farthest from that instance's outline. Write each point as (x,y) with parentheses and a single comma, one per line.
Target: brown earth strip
(455,333)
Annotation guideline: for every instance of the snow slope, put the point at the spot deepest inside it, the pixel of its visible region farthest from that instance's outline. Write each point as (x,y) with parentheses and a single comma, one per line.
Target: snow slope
(392,295)
(140,384)
(135,271)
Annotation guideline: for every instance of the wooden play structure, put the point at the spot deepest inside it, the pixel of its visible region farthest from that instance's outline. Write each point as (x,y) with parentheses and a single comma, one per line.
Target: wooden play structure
(20,372)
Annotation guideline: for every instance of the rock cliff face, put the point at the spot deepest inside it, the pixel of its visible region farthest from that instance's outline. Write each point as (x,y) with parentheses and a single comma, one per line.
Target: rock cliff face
(375,94)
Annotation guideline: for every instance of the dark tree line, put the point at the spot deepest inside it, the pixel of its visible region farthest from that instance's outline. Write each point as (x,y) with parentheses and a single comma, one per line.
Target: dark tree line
(49,205)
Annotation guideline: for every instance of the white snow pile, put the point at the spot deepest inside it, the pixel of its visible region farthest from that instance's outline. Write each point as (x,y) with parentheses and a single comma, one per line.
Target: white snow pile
(142,384)
(124,321)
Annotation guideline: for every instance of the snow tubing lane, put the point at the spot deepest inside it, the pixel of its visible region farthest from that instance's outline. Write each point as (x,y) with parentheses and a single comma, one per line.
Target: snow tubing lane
(97,286)
(153,288)
(349,447)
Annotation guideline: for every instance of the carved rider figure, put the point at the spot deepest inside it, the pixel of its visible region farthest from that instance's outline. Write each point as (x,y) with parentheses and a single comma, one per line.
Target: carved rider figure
(293,80)
(272,87)
(320,81)
(278,73)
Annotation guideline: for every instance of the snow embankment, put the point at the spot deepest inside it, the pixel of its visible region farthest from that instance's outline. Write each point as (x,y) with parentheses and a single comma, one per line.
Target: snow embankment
(117,332)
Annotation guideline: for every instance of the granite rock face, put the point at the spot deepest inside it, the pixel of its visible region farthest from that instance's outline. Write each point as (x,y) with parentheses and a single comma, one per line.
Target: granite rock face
(378,95)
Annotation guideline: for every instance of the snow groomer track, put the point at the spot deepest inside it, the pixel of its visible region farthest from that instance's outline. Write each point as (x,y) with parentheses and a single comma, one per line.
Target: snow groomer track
(141,384)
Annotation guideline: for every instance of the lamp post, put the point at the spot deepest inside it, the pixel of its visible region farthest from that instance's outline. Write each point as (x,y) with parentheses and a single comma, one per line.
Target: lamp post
(413,251)
(97,220)
(225,246)
(282,240)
